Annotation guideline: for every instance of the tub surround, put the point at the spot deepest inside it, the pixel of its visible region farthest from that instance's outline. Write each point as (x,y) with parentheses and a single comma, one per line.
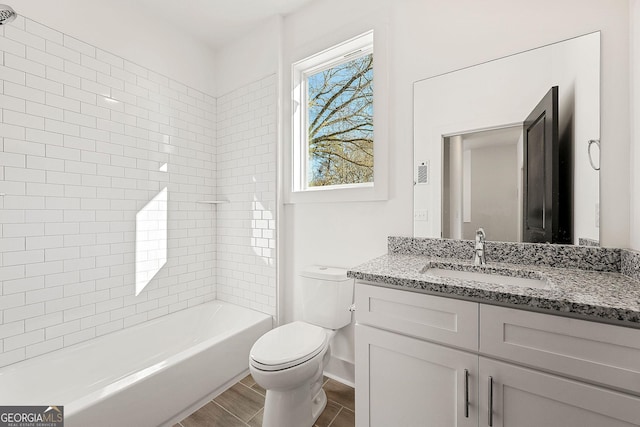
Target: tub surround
(600,284)
(245,227)
(103,164)
(98,153)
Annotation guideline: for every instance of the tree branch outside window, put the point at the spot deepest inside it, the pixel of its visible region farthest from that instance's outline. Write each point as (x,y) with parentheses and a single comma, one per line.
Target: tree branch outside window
(340,124)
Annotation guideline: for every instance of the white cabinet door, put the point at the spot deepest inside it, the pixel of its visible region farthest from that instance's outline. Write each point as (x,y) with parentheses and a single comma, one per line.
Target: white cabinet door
(522,397)
(405,382)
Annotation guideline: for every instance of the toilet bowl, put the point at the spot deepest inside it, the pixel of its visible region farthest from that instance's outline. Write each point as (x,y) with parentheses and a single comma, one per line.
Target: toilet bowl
(288,361)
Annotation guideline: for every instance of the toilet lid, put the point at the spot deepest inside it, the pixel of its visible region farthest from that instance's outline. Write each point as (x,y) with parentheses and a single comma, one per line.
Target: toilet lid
(293,342)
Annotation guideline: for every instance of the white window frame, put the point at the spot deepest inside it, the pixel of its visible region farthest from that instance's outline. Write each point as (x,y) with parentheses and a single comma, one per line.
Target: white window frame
(299,191)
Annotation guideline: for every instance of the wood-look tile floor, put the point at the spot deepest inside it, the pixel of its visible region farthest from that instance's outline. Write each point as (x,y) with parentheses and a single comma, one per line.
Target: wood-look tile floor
(242,406)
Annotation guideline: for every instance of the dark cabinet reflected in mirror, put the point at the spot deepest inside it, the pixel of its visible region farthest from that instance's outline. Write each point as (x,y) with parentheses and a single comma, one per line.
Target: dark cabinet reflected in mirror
(504,146)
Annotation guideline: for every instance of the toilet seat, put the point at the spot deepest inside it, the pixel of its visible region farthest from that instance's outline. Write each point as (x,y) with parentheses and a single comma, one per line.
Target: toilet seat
(287,346)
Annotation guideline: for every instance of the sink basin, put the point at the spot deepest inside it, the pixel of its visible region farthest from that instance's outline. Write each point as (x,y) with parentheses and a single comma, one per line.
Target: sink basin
(494,278)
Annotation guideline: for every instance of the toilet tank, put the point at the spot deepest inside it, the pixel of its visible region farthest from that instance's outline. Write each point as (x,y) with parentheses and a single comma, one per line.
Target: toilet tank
(327,295)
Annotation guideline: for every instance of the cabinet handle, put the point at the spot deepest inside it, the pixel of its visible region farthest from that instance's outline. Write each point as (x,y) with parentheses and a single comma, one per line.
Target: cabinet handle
(490,409)
(466,393)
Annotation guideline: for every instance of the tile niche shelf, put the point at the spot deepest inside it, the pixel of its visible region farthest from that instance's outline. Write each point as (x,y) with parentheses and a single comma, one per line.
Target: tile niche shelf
(212,202)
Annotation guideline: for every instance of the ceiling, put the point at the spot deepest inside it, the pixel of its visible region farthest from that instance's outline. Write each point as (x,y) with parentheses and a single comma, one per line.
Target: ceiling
(217,22)
(488,138)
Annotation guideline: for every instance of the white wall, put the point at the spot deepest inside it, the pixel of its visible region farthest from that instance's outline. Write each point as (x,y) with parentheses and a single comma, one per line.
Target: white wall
(102,162)
(494,192)
(250,58)
(421,44)
(635,124)
(130,31)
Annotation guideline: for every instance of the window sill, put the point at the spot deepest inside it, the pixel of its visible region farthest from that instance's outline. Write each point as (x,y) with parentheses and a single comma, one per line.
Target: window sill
(360,193)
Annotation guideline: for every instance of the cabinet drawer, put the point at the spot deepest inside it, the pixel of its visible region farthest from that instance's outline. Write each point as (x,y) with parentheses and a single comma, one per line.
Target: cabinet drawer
(604,354)
(438,319)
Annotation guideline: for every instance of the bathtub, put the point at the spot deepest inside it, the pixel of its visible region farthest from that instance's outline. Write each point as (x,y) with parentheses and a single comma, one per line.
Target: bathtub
(152,374)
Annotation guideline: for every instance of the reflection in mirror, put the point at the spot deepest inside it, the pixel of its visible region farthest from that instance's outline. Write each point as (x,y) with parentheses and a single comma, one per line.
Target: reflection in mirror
(488,194)
(504,146)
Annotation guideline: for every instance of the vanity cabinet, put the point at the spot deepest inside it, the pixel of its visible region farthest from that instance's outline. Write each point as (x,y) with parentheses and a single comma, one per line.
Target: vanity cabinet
(404,375)
(410,382)
(424,360)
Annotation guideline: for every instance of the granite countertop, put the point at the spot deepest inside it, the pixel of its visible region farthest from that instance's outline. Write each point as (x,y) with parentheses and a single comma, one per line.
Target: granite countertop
(591,295)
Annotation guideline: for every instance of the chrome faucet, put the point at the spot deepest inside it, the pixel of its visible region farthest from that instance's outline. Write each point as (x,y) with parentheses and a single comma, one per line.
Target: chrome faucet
(478,258)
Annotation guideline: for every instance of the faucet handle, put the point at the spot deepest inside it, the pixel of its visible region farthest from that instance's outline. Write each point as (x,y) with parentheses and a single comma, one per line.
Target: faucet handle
(480,235)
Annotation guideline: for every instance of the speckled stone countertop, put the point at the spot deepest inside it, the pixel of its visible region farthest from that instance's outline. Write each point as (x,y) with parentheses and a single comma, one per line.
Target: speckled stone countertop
(602,296)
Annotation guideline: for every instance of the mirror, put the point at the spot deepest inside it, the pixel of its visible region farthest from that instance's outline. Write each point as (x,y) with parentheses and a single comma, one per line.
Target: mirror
(508,145)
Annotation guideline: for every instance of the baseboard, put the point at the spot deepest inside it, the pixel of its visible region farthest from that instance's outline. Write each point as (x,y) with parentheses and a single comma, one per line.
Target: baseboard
(341,370)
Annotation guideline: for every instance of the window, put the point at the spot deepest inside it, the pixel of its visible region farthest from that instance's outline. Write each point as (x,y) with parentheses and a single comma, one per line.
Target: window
(340,123)
(333,136)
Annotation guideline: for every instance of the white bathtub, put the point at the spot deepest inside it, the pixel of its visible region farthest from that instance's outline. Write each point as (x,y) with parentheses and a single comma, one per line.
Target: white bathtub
(149,375)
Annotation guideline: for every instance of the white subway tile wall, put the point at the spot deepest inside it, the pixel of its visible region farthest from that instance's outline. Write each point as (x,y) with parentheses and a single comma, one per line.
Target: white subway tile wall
(246,176)
(87,141)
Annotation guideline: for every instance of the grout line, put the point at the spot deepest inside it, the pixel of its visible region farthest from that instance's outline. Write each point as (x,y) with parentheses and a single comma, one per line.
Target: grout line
(255,391)
(244,385)
(255,415)
(261,408)
(336,416)
(241,382)
(232,414)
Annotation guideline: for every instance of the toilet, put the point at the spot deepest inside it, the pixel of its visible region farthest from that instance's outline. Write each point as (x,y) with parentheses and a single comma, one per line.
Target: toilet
(288,361)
